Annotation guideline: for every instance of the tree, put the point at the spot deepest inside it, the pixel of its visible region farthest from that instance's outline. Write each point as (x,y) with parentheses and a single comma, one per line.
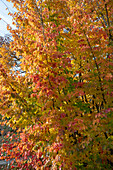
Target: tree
(62,104)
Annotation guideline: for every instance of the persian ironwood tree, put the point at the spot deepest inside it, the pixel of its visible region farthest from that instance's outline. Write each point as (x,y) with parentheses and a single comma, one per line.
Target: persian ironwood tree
(63,102)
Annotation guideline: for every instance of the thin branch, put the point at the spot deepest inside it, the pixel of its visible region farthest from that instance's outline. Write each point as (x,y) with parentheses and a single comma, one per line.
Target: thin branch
(110,36)
(42,23)
(4,21)
(6,6)
(96,65)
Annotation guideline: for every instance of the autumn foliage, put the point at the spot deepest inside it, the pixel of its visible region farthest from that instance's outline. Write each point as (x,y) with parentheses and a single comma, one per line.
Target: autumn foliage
(61,106)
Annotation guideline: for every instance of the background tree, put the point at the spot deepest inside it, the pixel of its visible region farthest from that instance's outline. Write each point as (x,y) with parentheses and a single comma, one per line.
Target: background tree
(62,104)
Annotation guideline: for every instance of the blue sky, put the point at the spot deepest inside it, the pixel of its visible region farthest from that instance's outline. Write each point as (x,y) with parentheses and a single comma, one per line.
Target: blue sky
(4,15)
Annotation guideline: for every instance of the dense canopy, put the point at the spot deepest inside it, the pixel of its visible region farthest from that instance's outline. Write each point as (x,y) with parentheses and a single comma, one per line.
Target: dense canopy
(60,101)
